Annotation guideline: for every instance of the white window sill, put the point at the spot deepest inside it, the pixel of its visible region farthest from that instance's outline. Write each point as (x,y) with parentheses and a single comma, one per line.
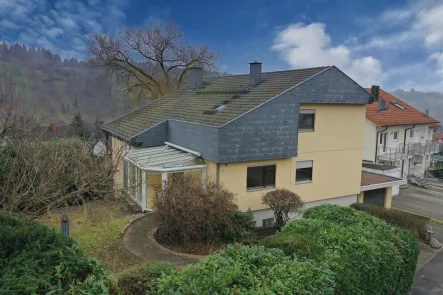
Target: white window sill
(259,189)
(303,182)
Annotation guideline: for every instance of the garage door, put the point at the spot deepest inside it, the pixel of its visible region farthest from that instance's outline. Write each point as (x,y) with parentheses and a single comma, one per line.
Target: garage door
(375,197)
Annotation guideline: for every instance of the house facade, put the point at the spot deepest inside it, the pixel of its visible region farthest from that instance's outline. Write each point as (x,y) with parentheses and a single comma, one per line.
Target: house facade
(398,135)
(301,130)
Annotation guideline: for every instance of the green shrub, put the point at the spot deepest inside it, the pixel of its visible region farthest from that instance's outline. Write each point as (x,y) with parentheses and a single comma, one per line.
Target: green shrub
(413,223)
(140,279)
(300,245)
(36,260)
(249,270)
(368,255)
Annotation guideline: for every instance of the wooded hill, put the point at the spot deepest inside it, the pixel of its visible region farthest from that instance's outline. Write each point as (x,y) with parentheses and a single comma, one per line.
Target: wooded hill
(58,89)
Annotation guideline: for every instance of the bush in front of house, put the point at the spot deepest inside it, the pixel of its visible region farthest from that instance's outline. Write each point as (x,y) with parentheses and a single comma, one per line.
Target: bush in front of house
(299,245)
(249,270)
(37,260)
(140,280)
(368,255)
(417,225)
(188,213)
(282,202)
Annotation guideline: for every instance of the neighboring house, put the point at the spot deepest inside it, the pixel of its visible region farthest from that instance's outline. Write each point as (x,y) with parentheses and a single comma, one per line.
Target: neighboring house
(398,136)
(438,135)
(99,149)
(299,129)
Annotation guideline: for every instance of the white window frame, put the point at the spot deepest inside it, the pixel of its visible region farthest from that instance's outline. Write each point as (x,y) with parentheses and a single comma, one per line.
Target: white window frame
(315,117)
(301,165)
(395,135)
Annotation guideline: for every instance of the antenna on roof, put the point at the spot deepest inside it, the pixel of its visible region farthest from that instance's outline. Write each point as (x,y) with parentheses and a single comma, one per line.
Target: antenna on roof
(382,105)
(427,112)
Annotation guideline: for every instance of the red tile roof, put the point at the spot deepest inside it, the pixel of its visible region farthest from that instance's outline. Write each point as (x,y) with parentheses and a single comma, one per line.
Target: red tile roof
(394,115)
(369,178)
(435,125)
(438,135)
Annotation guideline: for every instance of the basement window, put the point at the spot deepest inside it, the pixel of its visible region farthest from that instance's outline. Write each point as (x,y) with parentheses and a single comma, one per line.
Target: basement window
(303,172)
(260,177)
(268,222)
(398,105)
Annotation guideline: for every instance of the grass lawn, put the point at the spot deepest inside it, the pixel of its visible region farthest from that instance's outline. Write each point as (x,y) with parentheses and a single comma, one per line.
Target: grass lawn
(97,226)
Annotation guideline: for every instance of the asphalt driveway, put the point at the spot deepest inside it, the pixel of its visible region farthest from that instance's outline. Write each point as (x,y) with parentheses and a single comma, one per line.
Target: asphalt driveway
(427,202)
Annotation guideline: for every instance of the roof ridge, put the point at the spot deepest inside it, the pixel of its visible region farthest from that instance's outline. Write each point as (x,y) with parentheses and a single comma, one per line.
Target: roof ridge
(280,71)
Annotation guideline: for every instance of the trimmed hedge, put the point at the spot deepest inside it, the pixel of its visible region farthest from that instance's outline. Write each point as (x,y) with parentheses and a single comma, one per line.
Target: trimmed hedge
(299,245)
(37,260)
(249,270)
(413,223)
(368,255)
(140,279)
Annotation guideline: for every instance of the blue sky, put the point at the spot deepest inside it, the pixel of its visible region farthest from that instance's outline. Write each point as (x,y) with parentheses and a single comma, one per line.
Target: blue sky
(397,43)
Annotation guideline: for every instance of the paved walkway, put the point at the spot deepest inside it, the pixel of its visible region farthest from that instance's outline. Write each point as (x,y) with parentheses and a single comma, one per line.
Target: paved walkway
(140,241)
(429,279)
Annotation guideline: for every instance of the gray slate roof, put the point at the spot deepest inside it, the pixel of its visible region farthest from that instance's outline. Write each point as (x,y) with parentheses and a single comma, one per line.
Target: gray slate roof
(198,105)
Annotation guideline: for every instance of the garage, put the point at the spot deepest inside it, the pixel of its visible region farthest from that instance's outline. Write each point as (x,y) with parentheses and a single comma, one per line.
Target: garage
(376,189)
(375,197)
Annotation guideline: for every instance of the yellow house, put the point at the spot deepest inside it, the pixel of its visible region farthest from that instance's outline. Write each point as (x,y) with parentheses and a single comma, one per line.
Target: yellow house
(302,130)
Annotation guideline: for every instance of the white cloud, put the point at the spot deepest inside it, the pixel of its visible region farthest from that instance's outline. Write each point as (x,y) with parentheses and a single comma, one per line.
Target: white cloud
(303,45)
(61,26)
(430,22)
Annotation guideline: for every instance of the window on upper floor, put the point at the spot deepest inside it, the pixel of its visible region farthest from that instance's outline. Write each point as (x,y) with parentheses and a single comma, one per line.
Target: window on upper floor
(260,177)
(306,120)
(398,105)
(303,171)
(411,133)
(395,135)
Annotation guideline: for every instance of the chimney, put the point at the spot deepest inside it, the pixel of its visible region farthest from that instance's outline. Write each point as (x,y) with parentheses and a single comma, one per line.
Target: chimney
(255,72)
(53,128)
(195,77)
(375,91)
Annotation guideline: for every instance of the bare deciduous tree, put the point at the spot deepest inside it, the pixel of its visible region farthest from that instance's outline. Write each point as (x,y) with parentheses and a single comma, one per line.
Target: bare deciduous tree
(151,61)
(14,122)
(282,202)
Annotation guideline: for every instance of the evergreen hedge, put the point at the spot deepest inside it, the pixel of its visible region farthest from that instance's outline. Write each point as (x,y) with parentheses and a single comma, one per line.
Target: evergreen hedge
(368,255)
(37,260)
(417,225)
(249,270)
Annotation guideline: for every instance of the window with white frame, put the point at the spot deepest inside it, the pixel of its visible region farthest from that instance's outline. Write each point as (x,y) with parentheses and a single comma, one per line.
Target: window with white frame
(306,120)
(303,171)
(395,135)
(411,133)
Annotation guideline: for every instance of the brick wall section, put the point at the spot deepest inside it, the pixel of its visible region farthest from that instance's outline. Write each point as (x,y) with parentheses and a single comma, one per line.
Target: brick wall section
(200,138)
(154,136)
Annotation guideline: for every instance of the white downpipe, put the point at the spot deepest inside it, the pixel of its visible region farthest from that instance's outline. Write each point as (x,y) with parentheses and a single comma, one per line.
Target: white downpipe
(204,178)
(164,180)
(144,195)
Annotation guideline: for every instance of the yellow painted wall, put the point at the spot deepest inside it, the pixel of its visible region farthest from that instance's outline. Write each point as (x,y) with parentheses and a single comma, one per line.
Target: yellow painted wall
(119,149)
(388,197)
(335,147)
(151,181)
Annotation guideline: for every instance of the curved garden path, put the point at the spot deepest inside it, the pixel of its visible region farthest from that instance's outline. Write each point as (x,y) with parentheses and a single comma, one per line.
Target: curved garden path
(138,239)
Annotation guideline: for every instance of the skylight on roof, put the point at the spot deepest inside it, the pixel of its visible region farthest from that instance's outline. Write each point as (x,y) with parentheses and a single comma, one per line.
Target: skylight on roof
(398,105)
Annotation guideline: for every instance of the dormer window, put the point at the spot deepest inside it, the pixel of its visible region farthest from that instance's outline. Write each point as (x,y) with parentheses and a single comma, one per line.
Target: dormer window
(393,102)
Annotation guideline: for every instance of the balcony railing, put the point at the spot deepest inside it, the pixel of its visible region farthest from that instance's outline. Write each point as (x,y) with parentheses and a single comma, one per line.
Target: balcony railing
(405,151)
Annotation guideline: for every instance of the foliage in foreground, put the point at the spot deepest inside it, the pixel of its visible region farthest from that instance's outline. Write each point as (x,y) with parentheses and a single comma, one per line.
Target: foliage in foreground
(186,212)
(37,176)
(139,280)
(282,202)
(415,224)
(368,255)
(37,260)
(249,270)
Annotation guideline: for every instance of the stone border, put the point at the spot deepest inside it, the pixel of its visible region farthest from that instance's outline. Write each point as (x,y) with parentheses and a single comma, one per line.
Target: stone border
(185,255)
(123,231)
